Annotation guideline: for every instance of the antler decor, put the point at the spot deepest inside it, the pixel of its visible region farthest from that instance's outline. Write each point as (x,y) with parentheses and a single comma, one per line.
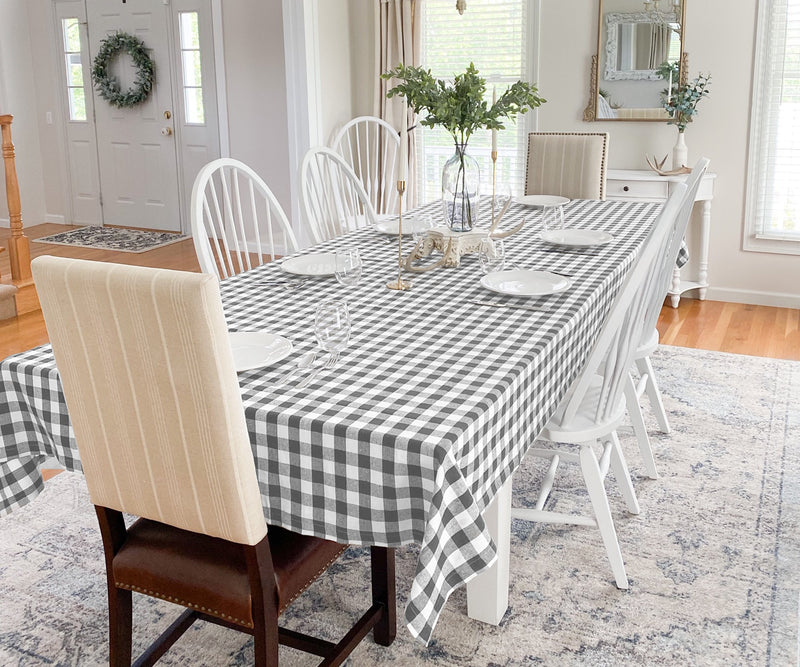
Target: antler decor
(658,167)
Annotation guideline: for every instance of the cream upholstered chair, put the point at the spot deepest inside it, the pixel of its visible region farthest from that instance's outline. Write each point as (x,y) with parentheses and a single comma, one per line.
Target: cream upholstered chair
(371,146)
(237,223)
(334,201)
(569,164)
(594,407)
(649,333)
(148,376)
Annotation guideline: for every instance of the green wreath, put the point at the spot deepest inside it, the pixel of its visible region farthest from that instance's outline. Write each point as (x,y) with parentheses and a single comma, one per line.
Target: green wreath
(108,86)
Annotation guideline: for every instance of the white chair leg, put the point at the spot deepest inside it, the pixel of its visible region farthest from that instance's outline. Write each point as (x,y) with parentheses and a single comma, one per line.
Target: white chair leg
(639,428)
(602,512)
(623,476)
(654,393)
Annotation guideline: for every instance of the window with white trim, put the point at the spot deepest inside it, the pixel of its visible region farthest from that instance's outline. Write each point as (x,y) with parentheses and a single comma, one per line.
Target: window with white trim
(191,68)
(773,190)
(494,36)
(76,94)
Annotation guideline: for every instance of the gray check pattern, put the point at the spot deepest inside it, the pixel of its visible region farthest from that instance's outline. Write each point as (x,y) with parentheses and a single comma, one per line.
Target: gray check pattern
(428,412)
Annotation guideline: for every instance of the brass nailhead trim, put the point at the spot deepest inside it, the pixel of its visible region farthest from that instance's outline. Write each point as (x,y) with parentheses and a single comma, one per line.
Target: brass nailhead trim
(184,603)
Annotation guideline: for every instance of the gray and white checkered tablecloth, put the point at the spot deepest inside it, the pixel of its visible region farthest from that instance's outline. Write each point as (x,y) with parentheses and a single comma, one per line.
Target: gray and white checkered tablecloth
(429,410)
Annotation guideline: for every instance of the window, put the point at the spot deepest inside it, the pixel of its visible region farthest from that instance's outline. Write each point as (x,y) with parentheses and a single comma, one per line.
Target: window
(493,34)
(773,191)
(76,95)
(194,112)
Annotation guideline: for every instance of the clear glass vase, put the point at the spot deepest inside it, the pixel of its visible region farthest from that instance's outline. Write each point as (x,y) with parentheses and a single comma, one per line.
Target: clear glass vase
(461,178)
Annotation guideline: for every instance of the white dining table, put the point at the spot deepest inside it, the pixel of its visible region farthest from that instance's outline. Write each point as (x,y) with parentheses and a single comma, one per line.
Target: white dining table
(414,435)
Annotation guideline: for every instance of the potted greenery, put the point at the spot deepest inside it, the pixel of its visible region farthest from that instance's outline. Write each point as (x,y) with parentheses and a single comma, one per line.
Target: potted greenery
(680,102)
(461,108)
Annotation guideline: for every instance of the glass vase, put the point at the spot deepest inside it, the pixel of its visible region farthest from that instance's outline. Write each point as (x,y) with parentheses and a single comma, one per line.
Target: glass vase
(461,178)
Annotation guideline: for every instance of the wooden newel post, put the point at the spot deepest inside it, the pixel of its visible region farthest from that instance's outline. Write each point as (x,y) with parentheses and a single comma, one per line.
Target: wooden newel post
(19,252)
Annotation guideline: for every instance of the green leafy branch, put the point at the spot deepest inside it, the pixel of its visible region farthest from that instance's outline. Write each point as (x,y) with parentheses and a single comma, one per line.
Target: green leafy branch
(460,107)
(681,101)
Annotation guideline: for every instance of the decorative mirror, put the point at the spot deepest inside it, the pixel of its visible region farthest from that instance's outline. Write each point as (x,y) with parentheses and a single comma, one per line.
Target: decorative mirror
(634,39)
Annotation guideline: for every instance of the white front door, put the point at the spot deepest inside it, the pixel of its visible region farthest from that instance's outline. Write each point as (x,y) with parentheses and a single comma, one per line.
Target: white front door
(136,146)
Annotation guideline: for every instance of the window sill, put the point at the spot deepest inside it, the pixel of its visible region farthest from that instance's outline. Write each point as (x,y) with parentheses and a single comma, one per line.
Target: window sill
(777,246)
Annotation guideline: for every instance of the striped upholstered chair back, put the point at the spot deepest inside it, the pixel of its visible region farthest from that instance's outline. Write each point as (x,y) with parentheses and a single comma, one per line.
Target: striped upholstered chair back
(148,376)
(569,164)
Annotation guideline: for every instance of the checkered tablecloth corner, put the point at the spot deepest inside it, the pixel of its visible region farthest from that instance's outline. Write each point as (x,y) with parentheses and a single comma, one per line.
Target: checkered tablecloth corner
(430,408)
(683,255)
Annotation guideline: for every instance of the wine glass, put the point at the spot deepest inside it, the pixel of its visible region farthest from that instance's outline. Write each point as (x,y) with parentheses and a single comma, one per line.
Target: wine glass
(552,218)
(420,226)
(348,267)
(332,326)
(492,255)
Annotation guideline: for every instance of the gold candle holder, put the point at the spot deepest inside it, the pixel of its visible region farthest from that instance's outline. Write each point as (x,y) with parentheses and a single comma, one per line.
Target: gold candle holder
(494,178)
(400,284)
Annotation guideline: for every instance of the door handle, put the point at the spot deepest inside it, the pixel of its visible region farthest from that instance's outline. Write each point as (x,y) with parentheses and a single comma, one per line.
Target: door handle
(166,131)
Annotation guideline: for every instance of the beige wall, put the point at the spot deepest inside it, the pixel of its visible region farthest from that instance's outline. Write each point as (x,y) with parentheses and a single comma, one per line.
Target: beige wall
(719,132)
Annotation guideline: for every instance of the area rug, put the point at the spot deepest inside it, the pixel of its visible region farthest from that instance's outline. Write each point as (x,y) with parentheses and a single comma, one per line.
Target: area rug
(113,238)
(713,558)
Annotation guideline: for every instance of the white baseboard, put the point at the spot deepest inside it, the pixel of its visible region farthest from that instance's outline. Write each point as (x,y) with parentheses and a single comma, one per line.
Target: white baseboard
(56,219)
(756,298)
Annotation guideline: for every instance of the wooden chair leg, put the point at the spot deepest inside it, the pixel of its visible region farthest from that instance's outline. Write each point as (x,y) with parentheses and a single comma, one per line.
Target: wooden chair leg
(383,592)
(265,603)
(120,626)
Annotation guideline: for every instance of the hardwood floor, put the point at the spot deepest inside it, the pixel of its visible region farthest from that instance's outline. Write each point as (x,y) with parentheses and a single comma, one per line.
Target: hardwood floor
(706,325)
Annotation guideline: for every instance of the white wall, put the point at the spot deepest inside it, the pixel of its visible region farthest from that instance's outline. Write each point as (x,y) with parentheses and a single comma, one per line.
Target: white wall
(335,71)
(720,130)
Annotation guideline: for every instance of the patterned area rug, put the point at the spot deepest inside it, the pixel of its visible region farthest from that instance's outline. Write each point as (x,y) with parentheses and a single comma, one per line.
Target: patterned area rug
(713,559)
(113,238)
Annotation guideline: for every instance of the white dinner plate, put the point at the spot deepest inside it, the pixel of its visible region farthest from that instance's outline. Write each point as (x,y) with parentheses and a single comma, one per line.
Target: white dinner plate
(542,200)
(319,264)
(577,238)
(256,349)
(525,282)
(410,224)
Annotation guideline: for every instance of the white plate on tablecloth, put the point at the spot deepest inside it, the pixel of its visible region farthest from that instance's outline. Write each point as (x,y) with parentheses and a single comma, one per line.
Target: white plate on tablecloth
(256,349)
(318,264)
(411,223)
(542,200)
(526,282)
(577,238)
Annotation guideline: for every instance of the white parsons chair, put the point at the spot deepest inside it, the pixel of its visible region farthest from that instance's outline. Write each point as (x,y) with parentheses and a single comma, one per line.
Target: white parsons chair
(155,405)
(648,341)
(370,146)
(237,223)
(594,407)
(333,200)
(569,164)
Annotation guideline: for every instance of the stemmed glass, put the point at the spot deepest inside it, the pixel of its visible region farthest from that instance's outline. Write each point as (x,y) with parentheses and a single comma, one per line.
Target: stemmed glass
(348,267)
(492,255)
(332,328)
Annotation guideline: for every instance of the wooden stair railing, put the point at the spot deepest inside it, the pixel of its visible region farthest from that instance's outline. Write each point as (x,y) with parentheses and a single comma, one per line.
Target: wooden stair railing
(19,252)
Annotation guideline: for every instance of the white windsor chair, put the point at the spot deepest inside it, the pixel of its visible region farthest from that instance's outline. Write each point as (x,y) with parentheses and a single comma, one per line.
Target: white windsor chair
(649,333)
(594,407)
(334,201)
(237,223)
(370,146)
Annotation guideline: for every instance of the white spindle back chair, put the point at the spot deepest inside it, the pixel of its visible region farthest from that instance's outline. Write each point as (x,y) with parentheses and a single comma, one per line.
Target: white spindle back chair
(371,147)
(334,201)
(648,337)
(237,223)
(594,406)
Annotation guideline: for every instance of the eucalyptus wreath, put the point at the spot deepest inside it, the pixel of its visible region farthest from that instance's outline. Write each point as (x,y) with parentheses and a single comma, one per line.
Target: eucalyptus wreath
(107,85)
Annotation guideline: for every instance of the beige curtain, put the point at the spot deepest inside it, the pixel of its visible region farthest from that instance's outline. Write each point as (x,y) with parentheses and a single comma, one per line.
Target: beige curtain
(397,40)
(659,44)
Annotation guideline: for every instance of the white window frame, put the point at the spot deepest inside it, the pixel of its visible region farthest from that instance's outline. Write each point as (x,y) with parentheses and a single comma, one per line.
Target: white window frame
(759,139)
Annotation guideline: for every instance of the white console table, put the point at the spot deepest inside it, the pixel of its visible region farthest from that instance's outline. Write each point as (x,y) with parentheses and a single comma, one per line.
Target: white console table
(645,185)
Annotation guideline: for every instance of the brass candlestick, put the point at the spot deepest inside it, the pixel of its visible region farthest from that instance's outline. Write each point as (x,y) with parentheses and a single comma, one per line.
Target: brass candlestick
(400,284)
(494,178)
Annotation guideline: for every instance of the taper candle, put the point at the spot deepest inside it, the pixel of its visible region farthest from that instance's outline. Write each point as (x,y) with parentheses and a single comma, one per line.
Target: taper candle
(403,171)
(494,131)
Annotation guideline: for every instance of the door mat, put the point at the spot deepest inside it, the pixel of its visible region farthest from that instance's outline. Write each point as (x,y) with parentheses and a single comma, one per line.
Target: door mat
(113,238)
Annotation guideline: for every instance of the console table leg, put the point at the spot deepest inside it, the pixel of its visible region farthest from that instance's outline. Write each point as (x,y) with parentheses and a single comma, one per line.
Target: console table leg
(675,291)
(705,233)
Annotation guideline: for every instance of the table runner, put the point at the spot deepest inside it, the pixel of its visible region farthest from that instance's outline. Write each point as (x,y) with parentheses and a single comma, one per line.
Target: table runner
(427,413)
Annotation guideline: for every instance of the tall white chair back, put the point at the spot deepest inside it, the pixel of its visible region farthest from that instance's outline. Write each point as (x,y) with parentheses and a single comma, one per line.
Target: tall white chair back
(149,379)
(371,147)
(237,223)
(334,201)
(569,164)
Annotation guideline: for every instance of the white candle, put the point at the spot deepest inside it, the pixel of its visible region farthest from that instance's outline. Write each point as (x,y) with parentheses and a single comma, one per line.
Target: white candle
(494,131)
(669,90)
(403,170)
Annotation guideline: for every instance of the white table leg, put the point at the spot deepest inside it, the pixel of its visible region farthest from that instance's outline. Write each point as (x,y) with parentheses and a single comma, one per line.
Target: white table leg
(705,232)
(675,292)
(487,593)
